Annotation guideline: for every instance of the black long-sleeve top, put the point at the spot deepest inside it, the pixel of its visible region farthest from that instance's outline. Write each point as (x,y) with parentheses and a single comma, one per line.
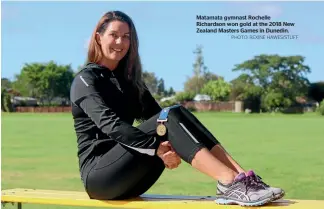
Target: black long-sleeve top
(104,108)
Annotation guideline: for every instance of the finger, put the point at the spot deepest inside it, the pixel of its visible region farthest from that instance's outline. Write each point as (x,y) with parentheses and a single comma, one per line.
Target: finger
(169,159)
(171,155)
(173,166)
(169,165)
(166,143)
(168,153)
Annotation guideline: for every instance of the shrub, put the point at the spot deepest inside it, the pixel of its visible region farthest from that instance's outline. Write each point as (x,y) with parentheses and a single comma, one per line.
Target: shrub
(320,108)
(185,96)
(168,103)
(218,90)
(6,104)
(192,108)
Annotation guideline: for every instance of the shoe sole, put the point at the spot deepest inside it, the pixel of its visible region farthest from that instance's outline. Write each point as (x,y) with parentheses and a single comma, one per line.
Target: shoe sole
(223,201)
(278,196)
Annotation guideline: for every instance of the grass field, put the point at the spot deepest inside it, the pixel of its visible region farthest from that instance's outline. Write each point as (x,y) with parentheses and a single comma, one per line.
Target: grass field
(39,151)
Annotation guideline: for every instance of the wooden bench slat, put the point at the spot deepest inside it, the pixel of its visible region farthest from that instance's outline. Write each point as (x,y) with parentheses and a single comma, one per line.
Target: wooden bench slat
(74,198)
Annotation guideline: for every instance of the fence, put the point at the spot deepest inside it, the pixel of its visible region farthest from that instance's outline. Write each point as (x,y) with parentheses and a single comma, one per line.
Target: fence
(232,106)
(44,109)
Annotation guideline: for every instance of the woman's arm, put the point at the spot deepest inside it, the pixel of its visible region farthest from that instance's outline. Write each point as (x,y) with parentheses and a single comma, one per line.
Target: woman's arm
(85,95)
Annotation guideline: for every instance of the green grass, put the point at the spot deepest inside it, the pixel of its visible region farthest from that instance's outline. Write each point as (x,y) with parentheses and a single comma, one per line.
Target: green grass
(39,151)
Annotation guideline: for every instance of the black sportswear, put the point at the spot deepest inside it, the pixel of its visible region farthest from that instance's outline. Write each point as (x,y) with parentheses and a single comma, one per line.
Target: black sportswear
(116,159)
(104,107)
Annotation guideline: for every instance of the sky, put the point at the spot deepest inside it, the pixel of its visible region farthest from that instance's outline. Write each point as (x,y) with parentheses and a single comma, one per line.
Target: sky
(59,31)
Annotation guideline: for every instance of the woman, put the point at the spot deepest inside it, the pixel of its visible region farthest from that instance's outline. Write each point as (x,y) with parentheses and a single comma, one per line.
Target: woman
(118,160)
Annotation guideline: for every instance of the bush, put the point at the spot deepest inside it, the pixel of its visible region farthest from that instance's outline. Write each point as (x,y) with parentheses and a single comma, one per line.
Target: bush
(6,104)
(320,108)
(185,96)
(192,109)
(168,103)
(157,97)
(218,90)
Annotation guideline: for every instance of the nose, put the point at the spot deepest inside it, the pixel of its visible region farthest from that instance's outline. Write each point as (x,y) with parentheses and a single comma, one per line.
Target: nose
(119,40)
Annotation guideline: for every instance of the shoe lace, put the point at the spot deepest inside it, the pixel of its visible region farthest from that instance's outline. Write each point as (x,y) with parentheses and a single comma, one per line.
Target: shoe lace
(258,180)
(251,183)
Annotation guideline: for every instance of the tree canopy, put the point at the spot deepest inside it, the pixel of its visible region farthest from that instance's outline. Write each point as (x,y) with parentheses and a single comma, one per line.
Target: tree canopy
(277,80)
(44,81)
(267,81)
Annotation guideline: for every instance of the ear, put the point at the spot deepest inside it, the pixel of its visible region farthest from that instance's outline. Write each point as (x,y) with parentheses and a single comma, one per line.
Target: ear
(98,38)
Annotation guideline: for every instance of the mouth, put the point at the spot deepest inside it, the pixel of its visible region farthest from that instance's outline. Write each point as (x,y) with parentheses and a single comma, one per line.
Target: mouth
(117,50)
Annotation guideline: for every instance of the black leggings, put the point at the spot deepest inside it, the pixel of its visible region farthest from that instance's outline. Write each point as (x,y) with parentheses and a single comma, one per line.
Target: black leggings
(124,173)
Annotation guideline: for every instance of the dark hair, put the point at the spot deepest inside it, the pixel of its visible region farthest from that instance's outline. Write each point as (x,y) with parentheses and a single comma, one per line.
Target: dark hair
(131,62)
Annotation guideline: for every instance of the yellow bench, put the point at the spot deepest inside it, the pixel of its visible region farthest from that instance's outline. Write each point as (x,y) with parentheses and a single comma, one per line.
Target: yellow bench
(71,198)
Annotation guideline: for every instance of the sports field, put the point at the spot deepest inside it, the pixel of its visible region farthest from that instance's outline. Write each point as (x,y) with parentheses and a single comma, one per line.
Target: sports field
(39,151)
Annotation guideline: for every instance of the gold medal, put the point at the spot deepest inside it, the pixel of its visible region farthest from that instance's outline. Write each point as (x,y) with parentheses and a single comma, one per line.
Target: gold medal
(161,129)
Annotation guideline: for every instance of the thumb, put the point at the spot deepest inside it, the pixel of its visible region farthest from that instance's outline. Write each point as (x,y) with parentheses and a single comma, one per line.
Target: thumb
(166,143)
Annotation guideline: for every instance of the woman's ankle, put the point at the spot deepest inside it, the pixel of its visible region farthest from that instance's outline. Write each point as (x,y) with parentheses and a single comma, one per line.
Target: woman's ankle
(228,178)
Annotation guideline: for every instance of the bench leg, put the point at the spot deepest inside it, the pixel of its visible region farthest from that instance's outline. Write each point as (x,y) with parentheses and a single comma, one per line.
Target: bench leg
(19,205)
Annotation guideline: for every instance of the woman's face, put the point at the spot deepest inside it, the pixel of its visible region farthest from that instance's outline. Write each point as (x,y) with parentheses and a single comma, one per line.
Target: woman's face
(115,41)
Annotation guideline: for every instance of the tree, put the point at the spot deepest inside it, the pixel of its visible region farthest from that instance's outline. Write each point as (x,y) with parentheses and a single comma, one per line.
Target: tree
(161,88)
(57,81)
(21,84)
(320,108)
(280,76)
(44,81)
(156,85)
(218,90)
(151,81)
(209,76)
(316,91)
(243,89)
(185,96)
(27,83)
(274,99)
(201,74)
(5,83)
(171,92)
(199,67)
(194,84)
(6,104)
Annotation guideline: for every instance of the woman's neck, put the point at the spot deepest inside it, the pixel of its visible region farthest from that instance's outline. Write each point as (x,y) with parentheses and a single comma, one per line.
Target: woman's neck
(111,65)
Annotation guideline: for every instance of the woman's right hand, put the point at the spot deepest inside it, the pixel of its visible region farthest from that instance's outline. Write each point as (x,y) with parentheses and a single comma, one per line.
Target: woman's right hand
(168,155)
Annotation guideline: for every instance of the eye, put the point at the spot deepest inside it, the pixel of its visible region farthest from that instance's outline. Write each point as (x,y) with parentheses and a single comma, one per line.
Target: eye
(114,35)
(127,36)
